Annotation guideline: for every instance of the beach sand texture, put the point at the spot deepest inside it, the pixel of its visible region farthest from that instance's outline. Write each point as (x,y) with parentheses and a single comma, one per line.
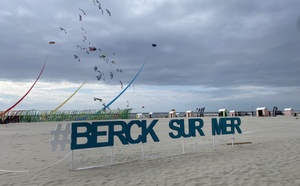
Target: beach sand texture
(272,157)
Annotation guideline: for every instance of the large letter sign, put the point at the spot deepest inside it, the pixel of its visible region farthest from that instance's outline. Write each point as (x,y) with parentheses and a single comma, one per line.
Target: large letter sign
(178,126)
(225,126)
(90,132)
(104,133)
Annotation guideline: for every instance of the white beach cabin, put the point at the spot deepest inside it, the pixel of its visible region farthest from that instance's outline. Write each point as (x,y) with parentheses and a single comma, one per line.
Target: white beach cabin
(262,111)
(232,113)
(172,114)
(189,113)
(222,112)
(139,116)
(288,112)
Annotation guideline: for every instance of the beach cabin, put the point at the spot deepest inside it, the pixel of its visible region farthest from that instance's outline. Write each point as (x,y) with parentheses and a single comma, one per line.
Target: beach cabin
(262,111)
(189,113)
(172,114)
(139,116)
(222,112)
(232,113)
(288,112)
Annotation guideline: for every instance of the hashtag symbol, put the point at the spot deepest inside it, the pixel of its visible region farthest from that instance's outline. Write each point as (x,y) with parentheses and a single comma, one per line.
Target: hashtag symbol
(57,140)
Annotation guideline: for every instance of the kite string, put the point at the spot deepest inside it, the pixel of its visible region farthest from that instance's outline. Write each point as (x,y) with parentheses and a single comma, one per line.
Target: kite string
(22,171)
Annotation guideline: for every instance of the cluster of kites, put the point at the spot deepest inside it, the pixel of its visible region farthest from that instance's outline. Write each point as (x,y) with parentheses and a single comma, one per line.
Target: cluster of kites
(85,48)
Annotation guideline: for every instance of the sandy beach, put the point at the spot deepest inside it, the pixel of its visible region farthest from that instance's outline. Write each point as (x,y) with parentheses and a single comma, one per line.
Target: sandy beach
(272,157)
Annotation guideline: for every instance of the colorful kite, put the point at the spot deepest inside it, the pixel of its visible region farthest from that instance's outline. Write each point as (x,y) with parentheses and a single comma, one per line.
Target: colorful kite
(112,101)
(7,110)
(68,98)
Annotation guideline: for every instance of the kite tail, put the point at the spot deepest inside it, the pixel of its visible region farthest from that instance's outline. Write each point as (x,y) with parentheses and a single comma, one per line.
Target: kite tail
(68,98)
(27,91)
(112,101)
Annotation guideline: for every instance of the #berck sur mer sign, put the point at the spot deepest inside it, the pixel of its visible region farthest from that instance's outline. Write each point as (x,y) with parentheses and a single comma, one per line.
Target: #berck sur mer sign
(90,131)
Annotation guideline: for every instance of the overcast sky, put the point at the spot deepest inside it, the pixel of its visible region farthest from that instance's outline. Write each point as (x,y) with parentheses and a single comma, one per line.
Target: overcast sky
(210,53)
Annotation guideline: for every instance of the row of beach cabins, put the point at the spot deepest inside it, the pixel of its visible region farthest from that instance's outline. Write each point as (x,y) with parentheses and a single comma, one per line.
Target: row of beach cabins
(259,112)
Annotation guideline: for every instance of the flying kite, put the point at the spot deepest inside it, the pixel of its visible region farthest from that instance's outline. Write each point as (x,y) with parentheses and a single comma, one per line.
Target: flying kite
(112,101)
(99,99)
(53,111)
(105,107)
(92,48)
(154,45)
(82,11)
(108,12)
(111,75)
(83,29)
(62,29)
(121,83)
(76,57)
(80,17)
(99,77)
(7,110)
(79,47)
(51,42)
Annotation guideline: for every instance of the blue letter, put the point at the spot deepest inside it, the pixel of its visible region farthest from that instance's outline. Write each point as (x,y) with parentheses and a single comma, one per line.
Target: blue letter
(97,133)
(237,125)
(128,132)
(150,130)
(120,133)
(193,127)
(215,127)
(87,134)
(176,128)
